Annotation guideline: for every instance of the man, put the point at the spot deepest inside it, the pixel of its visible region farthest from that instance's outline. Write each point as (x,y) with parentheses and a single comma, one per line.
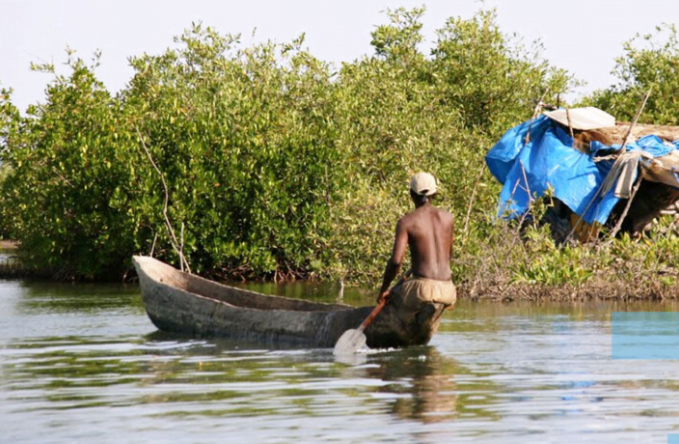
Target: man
(428,231)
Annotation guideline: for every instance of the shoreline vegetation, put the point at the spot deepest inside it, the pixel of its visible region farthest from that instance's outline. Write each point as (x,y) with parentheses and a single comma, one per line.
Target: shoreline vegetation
(264,162)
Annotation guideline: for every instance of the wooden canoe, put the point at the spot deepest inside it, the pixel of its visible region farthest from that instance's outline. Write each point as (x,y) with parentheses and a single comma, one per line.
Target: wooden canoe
(183,303)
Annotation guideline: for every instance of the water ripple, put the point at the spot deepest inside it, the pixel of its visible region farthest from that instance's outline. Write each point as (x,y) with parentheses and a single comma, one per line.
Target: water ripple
(494,373)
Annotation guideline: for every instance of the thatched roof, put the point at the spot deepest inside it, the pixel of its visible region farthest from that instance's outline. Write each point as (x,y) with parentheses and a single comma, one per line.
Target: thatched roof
(590,123)
(613,135)
(617,133)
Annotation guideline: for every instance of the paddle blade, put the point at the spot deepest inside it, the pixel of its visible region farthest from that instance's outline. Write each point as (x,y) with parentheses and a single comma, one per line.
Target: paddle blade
(349,342)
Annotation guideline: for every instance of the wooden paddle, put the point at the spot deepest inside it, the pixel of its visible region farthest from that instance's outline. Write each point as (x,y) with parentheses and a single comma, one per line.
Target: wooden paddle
(354,339)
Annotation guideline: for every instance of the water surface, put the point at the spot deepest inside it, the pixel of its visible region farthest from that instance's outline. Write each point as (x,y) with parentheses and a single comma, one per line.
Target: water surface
(82,363)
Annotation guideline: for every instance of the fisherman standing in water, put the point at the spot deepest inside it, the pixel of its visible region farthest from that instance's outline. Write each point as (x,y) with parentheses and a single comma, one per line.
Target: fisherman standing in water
(428,232)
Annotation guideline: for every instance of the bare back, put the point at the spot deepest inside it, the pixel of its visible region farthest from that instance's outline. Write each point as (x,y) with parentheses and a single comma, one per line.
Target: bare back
(429,232)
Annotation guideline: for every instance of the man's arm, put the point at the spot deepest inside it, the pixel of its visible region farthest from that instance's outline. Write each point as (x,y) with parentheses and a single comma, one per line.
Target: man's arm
(396,259)
(452,234)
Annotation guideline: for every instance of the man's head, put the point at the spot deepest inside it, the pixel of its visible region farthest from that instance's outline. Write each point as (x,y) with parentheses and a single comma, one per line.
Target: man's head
(422,188)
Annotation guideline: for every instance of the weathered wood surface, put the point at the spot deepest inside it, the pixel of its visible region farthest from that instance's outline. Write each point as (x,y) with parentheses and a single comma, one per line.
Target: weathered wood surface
(617,133)
(183,303)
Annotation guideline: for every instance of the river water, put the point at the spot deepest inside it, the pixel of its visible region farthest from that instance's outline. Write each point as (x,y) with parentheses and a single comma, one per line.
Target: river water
(82,363)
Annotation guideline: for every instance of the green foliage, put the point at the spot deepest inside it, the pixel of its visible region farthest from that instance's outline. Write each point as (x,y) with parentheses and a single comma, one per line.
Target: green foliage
(401,112)
(274,163)
(549,264)
(493,80)
(525,263)
(245,139)
(66,167)
(9,117)
(650,60)
(399,39)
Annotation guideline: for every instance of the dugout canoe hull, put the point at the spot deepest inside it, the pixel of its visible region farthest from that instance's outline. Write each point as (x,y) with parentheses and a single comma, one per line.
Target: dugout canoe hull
(179,302)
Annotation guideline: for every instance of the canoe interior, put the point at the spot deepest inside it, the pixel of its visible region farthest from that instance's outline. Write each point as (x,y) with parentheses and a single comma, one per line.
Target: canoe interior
(238,297)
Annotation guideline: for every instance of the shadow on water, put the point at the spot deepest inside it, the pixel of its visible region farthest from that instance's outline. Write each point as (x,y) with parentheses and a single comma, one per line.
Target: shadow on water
(223,378)
(417,382)
(422,382)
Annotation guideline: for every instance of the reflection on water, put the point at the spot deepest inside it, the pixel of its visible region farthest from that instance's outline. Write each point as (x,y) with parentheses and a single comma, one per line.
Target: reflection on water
(429,386)
(82,362)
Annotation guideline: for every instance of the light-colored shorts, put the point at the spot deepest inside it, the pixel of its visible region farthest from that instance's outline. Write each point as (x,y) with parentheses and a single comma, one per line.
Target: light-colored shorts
(416,291)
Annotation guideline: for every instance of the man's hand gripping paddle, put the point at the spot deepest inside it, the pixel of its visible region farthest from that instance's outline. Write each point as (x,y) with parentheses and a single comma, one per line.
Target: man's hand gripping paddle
(352,340)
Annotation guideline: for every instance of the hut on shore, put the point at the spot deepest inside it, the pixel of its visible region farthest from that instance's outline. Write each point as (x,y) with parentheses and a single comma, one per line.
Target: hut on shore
(596,172)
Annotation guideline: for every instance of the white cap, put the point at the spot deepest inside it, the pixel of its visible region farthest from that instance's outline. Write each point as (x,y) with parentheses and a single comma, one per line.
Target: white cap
(423,184)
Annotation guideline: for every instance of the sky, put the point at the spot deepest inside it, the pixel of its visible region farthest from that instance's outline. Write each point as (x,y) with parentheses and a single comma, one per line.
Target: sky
(582,36)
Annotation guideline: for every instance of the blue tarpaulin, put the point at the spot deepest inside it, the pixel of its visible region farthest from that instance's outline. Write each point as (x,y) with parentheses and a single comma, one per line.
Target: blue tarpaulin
(549,160)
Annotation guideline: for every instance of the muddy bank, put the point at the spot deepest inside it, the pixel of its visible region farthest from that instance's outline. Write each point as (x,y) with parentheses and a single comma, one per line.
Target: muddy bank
(632,288)
(596,290)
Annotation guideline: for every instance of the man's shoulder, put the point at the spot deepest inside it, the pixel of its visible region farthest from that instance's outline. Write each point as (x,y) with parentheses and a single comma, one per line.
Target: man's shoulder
(408,219)
(418,215)
(440,212)
(444,213)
